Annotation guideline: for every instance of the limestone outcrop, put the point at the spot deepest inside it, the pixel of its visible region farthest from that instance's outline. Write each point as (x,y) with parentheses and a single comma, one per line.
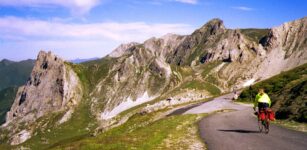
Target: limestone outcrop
(52,87)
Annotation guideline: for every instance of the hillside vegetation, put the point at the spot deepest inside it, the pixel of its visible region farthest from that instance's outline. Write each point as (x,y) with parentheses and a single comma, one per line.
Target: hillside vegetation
(145,132)
(6,100)
(14,73)
(287,91)
(255,34)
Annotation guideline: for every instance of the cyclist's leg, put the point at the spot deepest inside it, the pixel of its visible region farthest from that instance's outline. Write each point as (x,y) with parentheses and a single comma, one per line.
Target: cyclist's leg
(266,107)
(259,110)
(267,123)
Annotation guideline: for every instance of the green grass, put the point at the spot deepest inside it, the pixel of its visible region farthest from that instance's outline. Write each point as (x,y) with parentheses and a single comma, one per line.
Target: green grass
(91,72)
(208,85)
(72,130)
(293,125)
(184,71)
(194,84)
(276,83)
(212,79)
(196,52)
(255,34)
(287,91)
(139,132)
(137,108)
(208,67)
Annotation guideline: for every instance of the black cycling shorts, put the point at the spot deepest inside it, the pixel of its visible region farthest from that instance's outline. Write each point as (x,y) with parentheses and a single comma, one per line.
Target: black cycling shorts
(263,105)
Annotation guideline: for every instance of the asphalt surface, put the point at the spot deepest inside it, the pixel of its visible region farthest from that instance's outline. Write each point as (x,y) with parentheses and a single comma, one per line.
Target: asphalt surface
(238,129)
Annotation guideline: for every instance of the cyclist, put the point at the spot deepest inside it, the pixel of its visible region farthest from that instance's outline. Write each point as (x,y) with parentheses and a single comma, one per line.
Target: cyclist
(262,100)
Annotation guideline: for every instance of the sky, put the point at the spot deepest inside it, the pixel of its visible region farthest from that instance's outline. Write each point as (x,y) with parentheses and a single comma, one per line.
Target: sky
(93,28)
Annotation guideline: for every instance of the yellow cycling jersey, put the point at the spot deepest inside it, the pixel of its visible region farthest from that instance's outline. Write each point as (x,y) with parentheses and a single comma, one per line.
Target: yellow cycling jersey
(264,98)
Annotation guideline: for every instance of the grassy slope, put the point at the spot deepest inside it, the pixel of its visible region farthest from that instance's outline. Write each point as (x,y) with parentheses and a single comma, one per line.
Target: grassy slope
(49,133)
(287,91)
(91,72)
(255,34)
(7,96)
(208,85)
(198,85)
(142,132)
(207,67)
(79,126)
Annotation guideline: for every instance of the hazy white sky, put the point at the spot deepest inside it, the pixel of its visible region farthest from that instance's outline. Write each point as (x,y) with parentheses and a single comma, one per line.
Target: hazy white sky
(93,28)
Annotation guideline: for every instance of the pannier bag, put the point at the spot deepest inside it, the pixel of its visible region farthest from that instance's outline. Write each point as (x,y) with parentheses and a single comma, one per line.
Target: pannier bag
(271,114)
(261,115)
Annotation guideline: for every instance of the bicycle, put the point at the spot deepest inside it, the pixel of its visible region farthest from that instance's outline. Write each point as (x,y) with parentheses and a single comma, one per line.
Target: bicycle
(263,121)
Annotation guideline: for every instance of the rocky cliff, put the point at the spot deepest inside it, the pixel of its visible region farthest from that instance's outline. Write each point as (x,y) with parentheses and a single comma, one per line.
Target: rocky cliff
(286,47)
(12,75)
(52,87)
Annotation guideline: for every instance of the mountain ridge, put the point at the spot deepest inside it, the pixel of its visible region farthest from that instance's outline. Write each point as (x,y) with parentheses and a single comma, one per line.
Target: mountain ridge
(14,73)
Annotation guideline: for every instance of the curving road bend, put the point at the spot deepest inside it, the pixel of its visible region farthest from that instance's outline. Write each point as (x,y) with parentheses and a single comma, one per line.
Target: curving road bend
(238,130)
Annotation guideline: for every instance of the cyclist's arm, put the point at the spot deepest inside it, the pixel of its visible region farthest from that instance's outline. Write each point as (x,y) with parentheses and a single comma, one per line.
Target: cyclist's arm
(256,101)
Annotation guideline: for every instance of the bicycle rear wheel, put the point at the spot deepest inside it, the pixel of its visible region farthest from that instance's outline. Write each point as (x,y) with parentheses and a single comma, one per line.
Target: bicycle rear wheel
(260,126)
(266,127)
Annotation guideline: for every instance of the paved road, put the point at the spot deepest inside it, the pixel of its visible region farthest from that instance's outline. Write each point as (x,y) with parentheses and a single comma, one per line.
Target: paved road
(238,130)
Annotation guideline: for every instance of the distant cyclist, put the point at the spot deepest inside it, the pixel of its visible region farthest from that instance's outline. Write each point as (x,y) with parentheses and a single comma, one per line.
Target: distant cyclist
(262,100)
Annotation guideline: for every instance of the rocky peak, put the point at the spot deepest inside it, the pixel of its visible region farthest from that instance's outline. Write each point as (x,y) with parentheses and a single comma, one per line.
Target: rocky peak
(163,46)
(122,49)
(170,37)
(52,87)
(214,26)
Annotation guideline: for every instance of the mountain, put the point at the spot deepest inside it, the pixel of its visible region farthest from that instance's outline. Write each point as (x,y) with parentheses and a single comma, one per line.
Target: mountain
(78,60)
(287,91)
(60,91)
(7,97)
(14,73)
(61,98)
